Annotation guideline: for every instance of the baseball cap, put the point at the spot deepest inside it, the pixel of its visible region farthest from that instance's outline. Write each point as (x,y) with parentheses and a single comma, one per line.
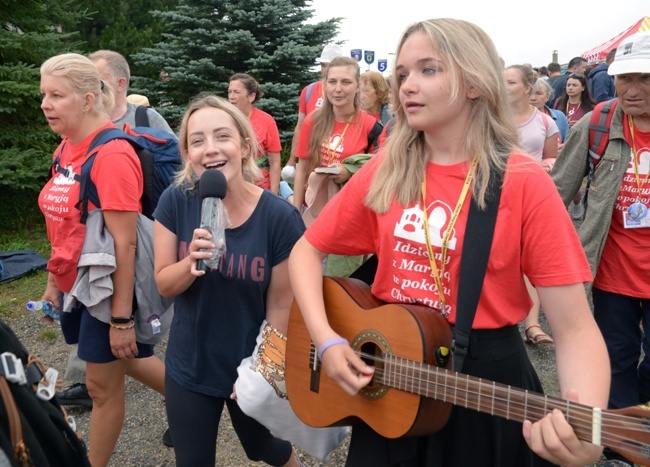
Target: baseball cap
(632,55)
(330,52)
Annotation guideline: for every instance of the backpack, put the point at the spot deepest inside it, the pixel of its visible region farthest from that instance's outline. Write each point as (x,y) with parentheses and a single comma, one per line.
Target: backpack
(34,429)
(599,123)
(152,312)
(159,157)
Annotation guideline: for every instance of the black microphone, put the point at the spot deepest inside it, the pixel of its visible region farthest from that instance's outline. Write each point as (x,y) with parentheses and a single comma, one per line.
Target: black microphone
(214,217)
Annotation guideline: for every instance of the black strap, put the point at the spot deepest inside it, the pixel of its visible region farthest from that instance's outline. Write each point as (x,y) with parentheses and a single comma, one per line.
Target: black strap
(366,272)
(141,117)
(12,371)
(473,265)
(377,128)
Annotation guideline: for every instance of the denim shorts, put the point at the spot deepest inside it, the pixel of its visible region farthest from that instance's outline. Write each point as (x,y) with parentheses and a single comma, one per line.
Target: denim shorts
(93,336)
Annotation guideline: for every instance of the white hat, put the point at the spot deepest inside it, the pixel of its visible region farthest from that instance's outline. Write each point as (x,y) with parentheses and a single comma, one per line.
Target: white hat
(632,55)
(138,99)
(330,52)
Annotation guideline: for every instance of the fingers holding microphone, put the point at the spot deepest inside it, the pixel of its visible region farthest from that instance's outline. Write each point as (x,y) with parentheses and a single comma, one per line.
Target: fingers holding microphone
(200,250)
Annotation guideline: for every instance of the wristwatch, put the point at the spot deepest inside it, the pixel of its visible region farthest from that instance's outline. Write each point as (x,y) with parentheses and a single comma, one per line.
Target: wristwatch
(121,320)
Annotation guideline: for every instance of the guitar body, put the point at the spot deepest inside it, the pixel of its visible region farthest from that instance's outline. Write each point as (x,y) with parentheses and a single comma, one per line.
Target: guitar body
(413,332)
(412,390)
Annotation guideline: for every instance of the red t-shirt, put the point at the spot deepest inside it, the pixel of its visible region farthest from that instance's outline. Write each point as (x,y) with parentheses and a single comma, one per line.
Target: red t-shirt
(355,139)
(315,98)
(623,267)
(266,131)
(533,236)
(573,112)
(268,139)
(116,172)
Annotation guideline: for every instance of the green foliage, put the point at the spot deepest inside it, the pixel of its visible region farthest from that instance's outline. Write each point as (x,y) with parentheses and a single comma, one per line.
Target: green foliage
(206,42)
(29,34)
(125,26)
(32,31)
(19,216)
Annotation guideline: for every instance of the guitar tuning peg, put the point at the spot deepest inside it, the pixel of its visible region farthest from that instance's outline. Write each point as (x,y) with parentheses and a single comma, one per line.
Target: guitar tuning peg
(442,356)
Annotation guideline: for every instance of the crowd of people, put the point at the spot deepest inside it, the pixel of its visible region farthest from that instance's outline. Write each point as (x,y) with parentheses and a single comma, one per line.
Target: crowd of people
(396,169)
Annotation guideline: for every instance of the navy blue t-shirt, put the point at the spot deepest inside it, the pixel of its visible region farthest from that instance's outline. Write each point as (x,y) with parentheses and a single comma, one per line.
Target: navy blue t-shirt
(217,319)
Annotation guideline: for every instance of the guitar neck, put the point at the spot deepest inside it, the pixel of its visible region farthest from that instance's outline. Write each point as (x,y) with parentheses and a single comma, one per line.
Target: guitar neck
(486,396)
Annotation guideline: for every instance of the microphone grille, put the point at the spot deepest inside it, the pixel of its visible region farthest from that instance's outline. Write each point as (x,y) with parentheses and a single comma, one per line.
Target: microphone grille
(212,185)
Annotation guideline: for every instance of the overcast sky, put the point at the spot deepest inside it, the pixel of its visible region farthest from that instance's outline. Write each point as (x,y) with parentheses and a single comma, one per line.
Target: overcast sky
(523,31)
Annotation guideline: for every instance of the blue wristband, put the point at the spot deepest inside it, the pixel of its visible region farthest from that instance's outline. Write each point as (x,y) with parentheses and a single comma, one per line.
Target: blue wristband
(329,343)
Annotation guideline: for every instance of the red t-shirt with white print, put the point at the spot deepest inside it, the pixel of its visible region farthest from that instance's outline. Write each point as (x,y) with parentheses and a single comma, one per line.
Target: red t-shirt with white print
(355,139)
(116,173)
(533,236)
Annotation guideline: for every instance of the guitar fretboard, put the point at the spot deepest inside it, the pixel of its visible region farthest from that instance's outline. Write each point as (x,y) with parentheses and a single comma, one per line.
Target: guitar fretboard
(488,397)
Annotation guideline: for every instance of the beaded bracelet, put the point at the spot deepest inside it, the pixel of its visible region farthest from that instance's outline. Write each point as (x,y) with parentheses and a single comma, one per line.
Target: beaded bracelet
(123,328)
(329,343)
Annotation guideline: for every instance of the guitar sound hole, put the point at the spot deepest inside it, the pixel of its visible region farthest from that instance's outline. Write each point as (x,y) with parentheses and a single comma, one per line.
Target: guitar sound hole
(372,354)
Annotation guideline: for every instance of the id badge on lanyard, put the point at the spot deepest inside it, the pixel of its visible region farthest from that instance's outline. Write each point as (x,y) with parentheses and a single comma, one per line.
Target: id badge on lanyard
(636,216)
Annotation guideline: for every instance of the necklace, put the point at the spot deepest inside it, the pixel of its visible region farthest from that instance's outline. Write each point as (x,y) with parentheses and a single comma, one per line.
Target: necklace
(331,153)
(439,273)
(637,210)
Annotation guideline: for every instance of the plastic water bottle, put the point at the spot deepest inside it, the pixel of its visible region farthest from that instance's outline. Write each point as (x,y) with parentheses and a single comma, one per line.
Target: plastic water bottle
(43,308)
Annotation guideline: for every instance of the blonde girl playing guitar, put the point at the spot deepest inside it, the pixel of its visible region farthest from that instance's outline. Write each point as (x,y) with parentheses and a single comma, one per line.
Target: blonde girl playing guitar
(409,206)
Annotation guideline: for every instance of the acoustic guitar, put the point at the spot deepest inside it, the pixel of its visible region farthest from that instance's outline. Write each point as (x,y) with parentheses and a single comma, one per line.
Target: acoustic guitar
(413,389)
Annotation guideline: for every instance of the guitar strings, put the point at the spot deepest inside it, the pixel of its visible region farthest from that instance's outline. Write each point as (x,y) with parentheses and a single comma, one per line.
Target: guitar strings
(408,377)
(517,404)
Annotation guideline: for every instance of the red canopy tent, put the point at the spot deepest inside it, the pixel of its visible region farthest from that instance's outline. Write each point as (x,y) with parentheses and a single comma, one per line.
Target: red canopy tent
(599,53)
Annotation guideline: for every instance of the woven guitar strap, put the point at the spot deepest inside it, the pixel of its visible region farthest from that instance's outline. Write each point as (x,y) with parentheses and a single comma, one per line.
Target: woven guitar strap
(15,426)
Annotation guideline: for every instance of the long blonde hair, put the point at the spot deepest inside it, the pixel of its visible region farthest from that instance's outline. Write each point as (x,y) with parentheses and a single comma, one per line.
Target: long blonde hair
(472,60)
(248,140)
(83,78)
(324,117)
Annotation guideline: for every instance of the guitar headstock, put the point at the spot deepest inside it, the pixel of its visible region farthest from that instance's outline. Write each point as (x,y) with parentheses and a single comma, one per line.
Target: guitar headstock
(627,431)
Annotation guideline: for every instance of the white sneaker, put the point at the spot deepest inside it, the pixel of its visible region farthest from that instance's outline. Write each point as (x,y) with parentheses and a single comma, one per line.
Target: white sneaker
(577,211)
